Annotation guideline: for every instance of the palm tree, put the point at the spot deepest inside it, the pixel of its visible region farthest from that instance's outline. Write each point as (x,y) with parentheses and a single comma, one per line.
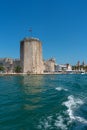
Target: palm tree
(18,69)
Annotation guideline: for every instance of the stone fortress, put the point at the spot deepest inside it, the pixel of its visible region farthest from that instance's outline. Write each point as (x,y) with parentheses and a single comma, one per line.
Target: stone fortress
(31,56)
(31,59)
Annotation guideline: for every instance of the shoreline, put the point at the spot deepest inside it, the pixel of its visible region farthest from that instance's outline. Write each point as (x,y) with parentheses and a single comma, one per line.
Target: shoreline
(24,74)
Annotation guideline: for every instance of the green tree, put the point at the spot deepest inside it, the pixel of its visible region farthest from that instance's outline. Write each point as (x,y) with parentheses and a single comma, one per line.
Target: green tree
(18,69)
(85,67)
(81,67)
(2,68)
(74,67)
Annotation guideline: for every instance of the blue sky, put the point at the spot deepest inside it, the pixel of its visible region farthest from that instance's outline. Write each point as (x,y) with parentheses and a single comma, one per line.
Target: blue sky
(61,25)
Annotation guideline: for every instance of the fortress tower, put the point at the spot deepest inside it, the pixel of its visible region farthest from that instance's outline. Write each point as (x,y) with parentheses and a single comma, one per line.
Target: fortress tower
(31,56)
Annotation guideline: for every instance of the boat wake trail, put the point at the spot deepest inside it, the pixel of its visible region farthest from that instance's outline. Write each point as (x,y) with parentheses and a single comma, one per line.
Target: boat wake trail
(63,120)
(73,104)
(61,88)
(52,123)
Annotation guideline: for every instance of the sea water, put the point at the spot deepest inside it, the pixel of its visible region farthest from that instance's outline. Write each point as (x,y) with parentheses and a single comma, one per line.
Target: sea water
(43,102)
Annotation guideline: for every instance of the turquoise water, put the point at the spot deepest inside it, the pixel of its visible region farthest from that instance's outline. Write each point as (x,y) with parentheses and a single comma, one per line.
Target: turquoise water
(44,102)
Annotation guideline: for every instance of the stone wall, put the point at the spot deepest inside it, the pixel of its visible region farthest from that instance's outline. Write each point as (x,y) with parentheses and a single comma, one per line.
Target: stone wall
(9,64)
(49,65)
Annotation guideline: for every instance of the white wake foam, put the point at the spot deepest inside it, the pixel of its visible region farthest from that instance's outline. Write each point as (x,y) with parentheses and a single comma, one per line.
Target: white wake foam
(80,119)
(72,104)
(50,123)
(45,123)
(59,123)
(61,88)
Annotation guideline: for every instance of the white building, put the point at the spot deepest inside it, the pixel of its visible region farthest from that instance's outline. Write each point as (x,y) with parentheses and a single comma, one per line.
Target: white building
(63,67)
